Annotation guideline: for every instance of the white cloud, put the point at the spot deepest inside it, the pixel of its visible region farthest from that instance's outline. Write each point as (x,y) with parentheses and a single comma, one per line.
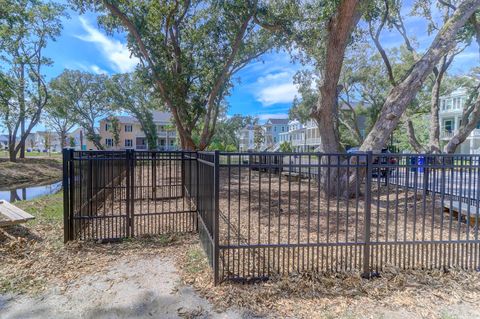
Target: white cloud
(96,69)
(115,51)
(86,67)
(275,88)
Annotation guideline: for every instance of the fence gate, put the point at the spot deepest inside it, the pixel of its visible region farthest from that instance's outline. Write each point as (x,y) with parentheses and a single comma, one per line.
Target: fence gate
(113,195)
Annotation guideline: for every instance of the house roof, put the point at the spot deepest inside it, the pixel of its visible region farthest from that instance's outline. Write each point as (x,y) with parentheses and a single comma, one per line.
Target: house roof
(158,116)
(278,121)
(248,127)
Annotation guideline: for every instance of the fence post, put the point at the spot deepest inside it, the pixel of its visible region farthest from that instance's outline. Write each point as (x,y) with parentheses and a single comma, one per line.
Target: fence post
(182,171)
(132,192)
(216,194)
(368,206)
(66,202)
(128,192)
(154,175)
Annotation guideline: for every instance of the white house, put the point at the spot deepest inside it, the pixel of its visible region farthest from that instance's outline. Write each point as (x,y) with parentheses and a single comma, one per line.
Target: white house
(295,136)
(246,138)
(3,142)
(43,141)
(451,108)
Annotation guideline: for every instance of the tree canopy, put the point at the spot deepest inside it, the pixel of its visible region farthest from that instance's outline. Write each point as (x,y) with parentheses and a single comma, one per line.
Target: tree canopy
(189,50)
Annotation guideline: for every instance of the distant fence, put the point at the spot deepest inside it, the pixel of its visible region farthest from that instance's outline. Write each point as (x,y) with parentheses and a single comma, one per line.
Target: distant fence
(263,214)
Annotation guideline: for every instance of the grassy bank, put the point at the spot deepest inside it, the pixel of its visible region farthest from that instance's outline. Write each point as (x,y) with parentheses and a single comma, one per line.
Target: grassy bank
(28,248)
(29,171)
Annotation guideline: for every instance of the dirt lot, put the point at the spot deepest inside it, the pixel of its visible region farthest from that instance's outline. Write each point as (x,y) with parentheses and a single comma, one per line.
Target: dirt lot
(266,208)
(29,171)
(168,277)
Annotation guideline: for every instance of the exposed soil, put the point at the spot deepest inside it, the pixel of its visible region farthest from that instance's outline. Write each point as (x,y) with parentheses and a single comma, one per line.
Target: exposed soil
(29,171)
(265,208)
(143,287)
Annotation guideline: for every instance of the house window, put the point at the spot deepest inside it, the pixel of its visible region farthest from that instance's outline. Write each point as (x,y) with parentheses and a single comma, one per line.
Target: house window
(128,143)
(128,128)
(448,125)
(107,127)
(448,104)
(109,142)
(172,142)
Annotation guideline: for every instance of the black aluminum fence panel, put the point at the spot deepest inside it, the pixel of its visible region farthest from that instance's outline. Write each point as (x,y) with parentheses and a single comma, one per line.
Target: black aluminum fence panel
(113,195)
(425,211)
(261,214)
(283,213)
(277,217)
(159,202)
(207,205)
(94,186)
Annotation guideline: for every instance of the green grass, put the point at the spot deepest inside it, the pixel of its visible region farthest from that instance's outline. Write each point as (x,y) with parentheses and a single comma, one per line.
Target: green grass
(195,261)
(46,209)
(34,154)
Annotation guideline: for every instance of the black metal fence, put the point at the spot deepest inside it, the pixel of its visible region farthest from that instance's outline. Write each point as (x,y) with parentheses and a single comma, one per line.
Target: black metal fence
(112,195)
(261,214)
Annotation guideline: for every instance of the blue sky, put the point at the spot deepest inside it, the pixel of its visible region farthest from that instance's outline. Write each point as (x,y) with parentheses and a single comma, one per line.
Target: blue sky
(265,88)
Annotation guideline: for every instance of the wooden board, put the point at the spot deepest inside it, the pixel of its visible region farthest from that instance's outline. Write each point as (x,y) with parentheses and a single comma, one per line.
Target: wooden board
(10,214)
(455,210)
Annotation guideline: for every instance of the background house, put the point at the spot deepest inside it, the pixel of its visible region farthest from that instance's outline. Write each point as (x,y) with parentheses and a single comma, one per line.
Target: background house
(77,140)
(3,142)
(246,138)
(43,141)
(450,115)
(272,130)
(131,135)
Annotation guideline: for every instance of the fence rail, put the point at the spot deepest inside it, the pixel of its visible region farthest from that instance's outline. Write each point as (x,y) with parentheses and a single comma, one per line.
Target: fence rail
(260,214)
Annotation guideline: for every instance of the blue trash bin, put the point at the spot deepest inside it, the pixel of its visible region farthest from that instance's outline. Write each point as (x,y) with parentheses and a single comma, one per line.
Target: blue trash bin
(418,163)
(421,163)
(413,163)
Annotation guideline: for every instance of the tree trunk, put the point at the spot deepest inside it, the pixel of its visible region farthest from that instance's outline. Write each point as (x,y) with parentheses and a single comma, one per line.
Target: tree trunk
(402,94)
(22,108)
(412,139)
(12,155)
(63,138)
(434,136)
(339,30)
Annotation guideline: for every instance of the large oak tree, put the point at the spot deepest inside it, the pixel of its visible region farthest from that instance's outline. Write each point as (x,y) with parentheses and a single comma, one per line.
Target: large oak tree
(26,27)
(190,50)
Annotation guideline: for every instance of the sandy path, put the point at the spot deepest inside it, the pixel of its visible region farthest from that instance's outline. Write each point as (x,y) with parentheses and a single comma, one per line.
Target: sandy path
(142,288)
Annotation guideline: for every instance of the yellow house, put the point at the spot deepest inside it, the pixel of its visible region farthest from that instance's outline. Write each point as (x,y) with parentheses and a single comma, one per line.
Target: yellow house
(131,135)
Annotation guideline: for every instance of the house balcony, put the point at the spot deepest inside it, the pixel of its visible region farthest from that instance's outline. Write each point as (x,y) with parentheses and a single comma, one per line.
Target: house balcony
(313,141)
(171,134)
(449,134)
(298,142)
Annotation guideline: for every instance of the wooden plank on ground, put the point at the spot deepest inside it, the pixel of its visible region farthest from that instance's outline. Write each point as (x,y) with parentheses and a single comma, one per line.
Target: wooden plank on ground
(464,211)
(11,214)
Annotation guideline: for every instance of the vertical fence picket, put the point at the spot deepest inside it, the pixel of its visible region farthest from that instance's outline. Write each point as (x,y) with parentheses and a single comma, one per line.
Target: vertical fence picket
(368,216)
